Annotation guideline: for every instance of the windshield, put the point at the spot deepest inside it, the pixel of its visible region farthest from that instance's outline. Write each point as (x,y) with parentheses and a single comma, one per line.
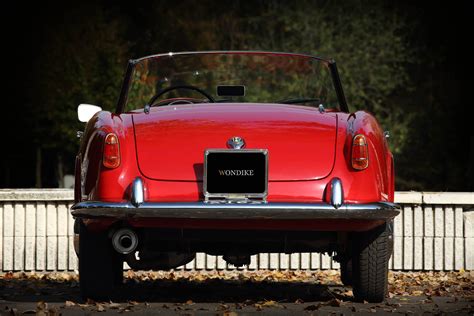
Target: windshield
(230,77)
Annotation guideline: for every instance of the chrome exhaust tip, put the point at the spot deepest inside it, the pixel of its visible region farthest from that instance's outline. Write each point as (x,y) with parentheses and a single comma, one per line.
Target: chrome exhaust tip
(124,241)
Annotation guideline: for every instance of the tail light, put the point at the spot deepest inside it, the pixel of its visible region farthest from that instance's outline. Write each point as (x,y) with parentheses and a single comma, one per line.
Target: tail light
(111,158)
(360,153)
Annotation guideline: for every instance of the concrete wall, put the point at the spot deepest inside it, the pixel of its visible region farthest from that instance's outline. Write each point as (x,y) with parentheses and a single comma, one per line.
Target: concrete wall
(435,231)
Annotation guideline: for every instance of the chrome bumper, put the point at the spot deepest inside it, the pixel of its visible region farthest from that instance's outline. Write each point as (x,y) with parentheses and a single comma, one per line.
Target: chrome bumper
(138,208)
(202,210)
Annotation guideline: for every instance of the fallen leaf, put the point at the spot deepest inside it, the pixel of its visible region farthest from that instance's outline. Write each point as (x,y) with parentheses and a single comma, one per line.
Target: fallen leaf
(69,303)
(114,305)
(41,308)
(90,301)
(334,302)
(222,307)
(53,311)
(393,304)
(312,307)
(239,305)
(124,310)
(270,304)
(248,302)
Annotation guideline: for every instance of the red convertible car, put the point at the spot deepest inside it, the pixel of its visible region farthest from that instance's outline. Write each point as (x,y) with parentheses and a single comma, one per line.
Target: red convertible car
(232,154)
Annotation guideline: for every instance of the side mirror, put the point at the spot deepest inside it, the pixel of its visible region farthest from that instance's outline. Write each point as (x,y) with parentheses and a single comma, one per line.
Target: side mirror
(86,111)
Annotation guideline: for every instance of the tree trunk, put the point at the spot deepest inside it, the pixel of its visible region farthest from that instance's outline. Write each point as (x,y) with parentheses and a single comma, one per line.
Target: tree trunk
(38,180)
(470,170)
(60,172)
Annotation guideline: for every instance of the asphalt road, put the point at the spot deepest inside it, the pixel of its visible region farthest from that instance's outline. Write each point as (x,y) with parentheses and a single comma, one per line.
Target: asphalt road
(214,297)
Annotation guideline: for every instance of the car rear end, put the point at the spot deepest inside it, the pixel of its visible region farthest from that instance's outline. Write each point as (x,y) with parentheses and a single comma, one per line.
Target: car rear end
(236,179)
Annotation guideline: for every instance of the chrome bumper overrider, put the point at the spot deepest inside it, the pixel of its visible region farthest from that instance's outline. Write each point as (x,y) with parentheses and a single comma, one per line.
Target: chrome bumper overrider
(138,208)
(372,211)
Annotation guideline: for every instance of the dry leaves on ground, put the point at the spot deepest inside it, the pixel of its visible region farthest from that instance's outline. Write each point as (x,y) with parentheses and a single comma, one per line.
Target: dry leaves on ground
(453,284)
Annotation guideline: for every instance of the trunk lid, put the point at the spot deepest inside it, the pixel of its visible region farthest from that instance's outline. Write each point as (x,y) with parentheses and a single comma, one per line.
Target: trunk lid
(171,140)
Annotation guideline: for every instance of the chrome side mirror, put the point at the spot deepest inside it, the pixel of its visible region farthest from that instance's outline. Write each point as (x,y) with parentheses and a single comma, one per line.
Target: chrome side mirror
(86,111)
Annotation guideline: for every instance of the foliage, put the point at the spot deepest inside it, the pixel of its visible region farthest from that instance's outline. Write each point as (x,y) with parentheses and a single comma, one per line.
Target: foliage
(81,61)
(369,39)
(383,58)
(364,38)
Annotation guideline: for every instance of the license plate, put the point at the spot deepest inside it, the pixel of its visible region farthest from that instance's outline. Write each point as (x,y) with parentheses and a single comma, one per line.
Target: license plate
(236,173)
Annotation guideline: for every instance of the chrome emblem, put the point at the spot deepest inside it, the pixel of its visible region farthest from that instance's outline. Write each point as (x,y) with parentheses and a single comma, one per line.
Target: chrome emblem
(236,142)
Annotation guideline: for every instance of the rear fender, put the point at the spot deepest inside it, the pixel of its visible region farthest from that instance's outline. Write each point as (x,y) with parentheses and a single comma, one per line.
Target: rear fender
(98,182)
(373,183)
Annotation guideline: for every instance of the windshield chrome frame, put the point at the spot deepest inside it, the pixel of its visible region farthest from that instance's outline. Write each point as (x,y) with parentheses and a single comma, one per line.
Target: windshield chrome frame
(336,80)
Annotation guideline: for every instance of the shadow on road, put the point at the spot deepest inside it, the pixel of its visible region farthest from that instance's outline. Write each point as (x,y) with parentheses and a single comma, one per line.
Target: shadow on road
(143,295)
(228,291)
(173,291)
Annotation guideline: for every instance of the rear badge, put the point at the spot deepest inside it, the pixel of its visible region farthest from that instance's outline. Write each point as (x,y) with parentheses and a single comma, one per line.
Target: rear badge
(236,142)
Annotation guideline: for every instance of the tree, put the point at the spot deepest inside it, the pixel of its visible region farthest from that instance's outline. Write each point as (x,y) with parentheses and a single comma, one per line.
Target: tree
(401,61)
(81,61)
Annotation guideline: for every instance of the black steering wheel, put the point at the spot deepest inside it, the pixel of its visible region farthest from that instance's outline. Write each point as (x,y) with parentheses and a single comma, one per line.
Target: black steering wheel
(159,94)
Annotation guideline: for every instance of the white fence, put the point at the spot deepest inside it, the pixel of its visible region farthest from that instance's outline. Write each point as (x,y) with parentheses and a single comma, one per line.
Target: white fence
(435,231)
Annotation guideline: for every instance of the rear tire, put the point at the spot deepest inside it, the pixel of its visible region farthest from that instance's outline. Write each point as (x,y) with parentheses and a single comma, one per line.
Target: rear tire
(371,252)
(346,272)
(100,267)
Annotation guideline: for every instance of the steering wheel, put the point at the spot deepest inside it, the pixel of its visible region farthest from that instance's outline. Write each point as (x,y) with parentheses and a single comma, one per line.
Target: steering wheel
(159,94)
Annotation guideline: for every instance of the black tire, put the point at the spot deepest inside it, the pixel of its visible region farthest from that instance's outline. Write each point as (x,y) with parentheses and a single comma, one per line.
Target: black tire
(100,266)
(371,252)
(346,272)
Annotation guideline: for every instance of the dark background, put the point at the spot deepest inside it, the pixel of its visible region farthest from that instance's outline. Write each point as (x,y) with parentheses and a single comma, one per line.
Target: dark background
(408,62)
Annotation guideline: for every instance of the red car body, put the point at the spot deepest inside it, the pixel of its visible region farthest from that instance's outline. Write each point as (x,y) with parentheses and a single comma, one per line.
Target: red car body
(298,172)
(309,151)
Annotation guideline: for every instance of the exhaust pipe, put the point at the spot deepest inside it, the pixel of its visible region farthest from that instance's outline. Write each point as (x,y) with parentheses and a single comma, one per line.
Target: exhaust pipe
(124,241)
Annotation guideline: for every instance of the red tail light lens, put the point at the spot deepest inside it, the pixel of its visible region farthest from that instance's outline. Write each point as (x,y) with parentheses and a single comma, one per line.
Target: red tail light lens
(111,157)
(360,153)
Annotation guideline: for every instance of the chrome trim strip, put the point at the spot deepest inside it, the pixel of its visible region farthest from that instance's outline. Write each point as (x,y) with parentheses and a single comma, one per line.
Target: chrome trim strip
(202,210)
(134,61)
(137,197)
(337,193)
